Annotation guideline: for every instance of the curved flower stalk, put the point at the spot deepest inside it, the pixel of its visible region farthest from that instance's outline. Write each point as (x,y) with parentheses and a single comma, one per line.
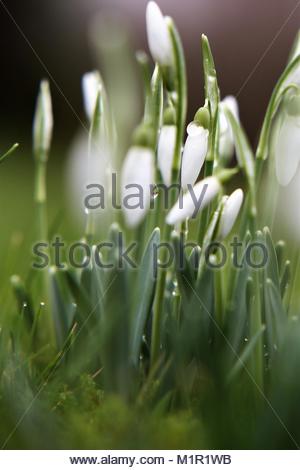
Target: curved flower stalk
(195,199)
(159,39)
(194,153)
(289,78)
(287,140)
(230,212)
(226,142)
(138,174)
(165,152)
(91,85)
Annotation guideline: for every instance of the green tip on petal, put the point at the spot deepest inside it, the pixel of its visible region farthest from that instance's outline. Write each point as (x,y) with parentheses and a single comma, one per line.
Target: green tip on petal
(202,117)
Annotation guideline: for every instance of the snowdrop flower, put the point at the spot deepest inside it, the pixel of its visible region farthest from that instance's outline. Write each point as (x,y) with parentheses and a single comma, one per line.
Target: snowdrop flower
(230,212)
(43,121)
(138,174)
(165,152)
(289,210)
(194,153)
(287,141)
(226,145)
(91,85)
(159,39)
(197,197)
(85,168)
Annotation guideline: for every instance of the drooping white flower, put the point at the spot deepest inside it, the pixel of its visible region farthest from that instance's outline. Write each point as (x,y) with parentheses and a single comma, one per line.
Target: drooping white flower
(43,120)
(165,152)
(195,199)
(287,141)
(194,153)
(159,39)
(288,208)
(137,176)
(287,150)
(84,168)
(226,144)
(230,212)
(91,85)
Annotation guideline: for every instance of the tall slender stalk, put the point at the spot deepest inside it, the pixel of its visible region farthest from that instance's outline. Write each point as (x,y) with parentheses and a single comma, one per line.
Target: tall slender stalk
(180,105)
(42,135)
(212,97)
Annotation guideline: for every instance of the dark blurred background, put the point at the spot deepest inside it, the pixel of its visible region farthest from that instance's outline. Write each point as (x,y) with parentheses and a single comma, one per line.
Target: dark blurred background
(250,40)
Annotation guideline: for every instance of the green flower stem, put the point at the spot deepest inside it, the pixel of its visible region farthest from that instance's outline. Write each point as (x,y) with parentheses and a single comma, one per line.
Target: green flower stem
(95,135)
(158,303)
(181,98)
(40,199)
(180,104)
(279,90)
(155,103)
(212,97)
(89,228)
(256,322)
(166,231)
(143,61)
(219,297)
(256,325)
(205,214)
(259,165)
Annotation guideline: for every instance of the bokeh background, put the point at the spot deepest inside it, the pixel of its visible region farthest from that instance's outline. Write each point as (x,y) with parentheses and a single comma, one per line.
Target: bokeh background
(251,41)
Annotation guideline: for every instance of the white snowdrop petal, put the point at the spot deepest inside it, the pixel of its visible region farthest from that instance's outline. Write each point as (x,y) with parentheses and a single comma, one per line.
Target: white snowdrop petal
(186,206)
(230,212)
(86,168)
(287,150)
(158,35)
(226,146)
(223,123)
(90,89)
(83,169)
(231,102)
(226,143)
(194,153)
(165,152)
(193,129)
(138,170)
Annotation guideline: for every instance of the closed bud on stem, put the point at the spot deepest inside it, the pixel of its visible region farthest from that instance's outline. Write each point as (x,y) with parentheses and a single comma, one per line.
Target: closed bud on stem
(229,214)
(91,85)
(43,123)
(159,39)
